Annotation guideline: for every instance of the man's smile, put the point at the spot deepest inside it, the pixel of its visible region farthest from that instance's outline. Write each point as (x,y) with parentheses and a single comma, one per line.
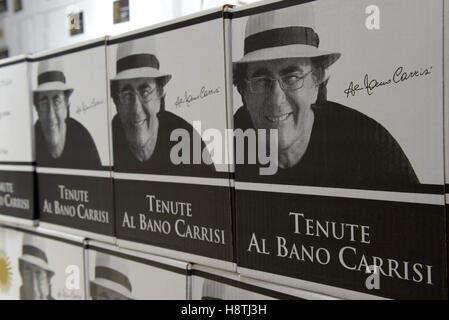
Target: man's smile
(138,123)
(279,118)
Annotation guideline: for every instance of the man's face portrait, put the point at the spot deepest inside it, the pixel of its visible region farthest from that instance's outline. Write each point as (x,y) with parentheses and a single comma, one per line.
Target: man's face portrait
(102,293)
(36,282)
(138,102)
(52,108)
(279,95)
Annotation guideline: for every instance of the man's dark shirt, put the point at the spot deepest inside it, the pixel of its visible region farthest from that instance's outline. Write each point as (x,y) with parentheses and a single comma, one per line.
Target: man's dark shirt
(160,162)
(347,149)
(24,296)
(79,151)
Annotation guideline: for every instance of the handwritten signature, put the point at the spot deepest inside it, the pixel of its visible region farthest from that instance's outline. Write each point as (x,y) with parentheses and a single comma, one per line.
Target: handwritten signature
(399,76)
(69,294)
(189,98)
(6,82)
(4,114)
(83,108)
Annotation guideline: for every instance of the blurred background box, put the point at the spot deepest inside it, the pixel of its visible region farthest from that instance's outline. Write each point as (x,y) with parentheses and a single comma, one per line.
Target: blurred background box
(17,158)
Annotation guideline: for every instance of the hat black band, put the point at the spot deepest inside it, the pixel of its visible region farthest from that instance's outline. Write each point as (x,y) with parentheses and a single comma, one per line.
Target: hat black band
(281,37)
(50,76)
(114,276)
(36,252)
(137,61)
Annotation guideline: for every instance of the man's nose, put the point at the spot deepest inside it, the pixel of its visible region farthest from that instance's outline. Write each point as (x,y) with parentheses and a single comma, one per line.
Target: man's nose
(37,293)
(51,114)
(137,105)
(276,96)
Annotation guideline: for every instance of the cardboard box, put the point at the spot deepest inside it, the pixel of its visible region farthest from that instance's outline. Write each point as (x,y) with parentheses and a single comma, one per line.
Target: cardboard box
(10,249)
(56,259)
(17,202)
(72,140)
(446,110)
(170,199)
(359,186)
(215,284)
(114,273)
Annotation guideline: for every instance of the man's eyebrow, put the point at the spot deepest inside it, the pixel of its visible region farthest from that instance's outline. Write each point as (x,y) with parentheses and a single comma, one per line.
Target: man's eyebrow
(127,87)
(260,72)
(146,85)
(290,69)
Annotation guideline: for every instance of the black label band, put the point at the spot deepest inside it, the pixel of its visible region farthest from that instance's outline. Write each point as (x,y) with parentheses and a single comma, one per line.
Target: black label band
(114,276)
(281,37)
(35,252)
(137,61)
(50,76)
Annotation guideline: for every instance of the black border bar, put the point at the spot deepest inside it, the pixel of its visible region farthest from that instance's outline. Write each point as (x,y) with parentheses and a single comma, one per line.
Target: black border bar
(245,286)
(155,264)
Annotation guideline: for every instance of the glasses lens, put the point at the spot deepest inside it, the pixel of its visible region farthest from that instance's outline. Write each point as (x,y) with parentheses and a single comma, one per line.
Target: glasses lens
(260,85)
(146,94)
(127,97)
(57,101)
(293,81)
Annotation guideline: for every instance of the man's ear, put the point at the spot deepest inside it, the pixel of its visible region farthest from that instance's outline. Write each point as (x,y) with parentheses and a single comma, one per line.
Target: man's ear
(20,266)
(36,99)
(322,91)
(242,91)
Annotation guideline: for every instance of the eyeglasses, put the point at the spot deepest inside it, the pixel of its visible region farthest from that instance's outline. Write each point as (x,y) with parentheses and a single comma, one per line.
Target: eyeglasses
(57,103)
(289,82)
(35,273)
(128,96)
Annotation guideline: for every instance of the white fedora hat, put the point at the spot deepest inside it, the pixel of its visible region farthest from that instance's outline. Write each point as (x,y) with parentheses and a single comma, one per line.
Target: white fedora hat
(284,34)
(137,59)
(112,273)
(33,252)
(51,77)
(213,290)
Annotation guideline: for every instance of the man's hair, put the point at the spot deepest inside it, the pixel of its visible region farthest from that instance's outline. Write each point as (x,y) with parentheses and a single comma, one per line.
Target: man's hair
(240,74)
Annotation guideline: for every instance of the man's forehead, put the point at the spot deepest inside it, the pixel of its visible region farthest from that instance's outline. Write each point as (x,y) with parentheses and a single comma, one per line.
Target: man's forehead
(33,267)
(136,82)
(108,292)
(50,93)
(280,66)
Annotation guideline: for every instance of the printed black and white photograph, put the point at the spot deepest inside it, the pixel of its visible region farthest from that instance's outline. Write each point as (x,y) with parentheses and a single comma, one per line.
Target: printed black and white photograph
(156,93)
(119,275)
(69,98)
(73,160)
(34,270)
(219,285)
(16,142)
(41,268)
(16,117)
(10,250)
(355,102)
(111,280)
(169,126)
(346,114)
